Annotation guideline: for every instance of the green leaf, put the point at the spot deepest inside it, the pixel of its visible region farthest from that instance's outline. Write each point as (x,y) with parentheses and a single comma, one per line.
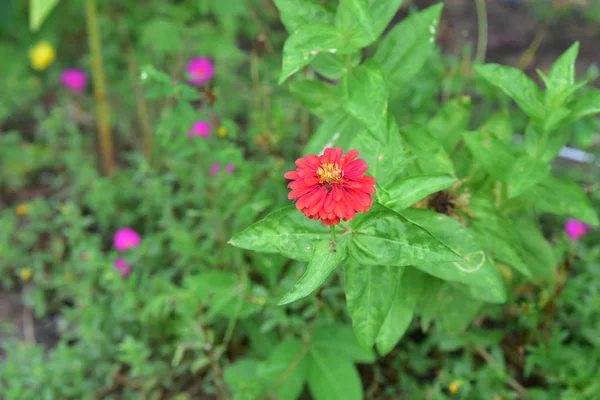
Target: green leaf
(324,260)
(333,377)
(366,97)
(474,269)
(457,308)
(404,51)
(296,13)
(428,303)
(490,152)
(431,158)
(39,11)
(286,231)
(287,367)
(561,79)
(588,103)
(303,45)
(517,85)
(536,252)
(339,130)
(450,122)
(339,340)
(383,237)
(369,292)
(401,311)
(497,233)
(319,97)
(383,11)
(525,173)
(243,380)
(354,20)
(411,189)
(386,159)
(334,66)
(500,126)
(561,197)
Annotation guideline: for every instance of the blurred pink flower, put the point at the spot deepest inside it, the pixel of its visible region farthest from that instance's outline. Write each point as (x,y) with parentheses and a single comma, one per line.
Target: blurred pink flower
(126,238)
(229,168)
(576,229)
(74,79)
(123,266)
(215,168)
(200,128)
(200,70)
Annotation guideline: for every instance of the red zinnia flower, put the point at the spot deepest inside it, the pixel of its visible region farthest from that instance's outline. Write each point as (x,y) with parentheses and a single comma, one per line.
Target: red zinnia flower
(331,187)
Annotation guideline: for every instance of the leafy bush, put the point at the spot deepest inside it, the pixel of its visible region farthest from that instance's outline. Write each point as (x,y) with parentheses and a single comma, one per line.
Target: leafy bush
(187,273)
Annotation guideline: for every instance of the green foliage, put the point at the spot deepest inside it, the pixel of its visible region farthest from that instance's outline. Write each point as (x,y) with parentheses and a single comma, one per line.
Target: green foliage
(458,282)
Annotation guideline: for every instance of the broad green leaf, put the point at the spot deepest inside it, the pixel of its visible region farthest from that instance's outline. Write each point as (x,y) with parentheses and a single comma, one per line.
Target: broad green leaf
(286,231)
(383,11)
(499,125)
(303,45)
(457,308)
(411,189)
(243,380)
(386,159)
(431,158)
(561,197)
(319,97)
(518,86)
(497,233)
(383,237)
(561,79)
(324,260)
(333,377)
(450,122)
(401,311)
(490,152)
(339,340)
(588,103)
(296,13)
(407,47)
(370,290)
(286,369)
(536,252)
(525,173)
(39,11)
(354,20)
(428,303)
(474,269)
(339,130)
(334,66)
(366,97)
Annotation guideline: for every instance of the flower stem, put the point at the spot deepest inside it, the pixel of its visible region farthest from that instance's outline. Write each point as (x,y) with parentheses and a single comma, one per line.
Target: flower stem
(102,115)
(482,31)
(333,233)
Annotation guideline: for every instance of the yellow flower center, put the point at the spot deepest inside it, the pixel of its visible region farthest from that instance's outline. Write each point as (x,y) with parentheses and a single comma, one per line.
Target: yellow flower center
(454,387)
(330,173)
(26,274)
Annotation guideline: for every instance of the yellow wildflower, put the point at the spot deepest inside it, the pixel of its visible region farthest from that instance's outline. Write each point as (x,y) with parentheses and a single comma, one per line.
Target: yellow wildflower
(222,131)
(454,387)
(25,274)
(41,55)
(22,209)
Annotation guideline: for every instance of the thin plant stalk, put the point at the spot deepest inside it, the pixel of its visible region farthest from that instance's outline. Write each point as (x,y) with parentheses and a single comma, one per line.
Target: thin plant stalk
(102,112)
(482,31)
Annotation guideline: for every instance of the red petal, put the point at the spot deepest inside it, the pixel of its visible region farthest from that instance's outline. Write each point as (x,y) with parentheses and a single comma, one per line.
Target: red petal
(291,175)
(351,155)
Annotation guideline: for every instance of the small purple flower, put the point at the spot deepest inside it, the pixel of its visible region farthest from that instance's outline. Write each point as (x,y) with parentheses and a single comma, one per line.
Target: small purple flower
(74,79)
(200,128)
(576,229)
(214,169)
(200,70)
(123,266)
(126,238)
(229,168)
